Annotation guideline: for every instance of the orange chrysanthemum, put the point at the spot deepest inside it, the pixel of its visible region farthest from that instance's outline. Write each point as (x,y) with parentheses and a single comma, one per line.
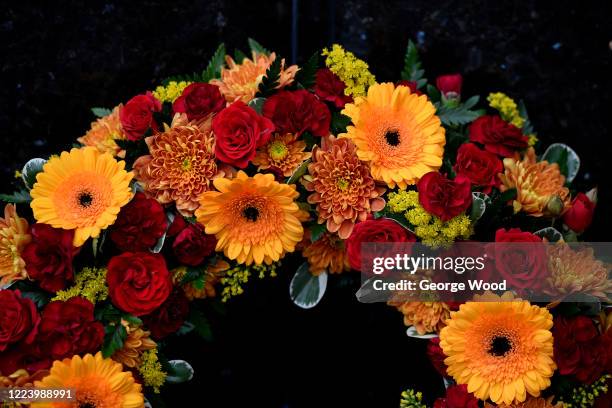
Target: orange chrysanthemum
(241,81)
(81,190)
(97,381)
(501,350)
(397,132)
(104,132)
(255,219)
(426,317)
(540,186)
(180,167)
(21,378)
(576,271)
(13,238)
(326,254)
(213,275)
(136,342)
(342,187)
(284,153)
(530,403)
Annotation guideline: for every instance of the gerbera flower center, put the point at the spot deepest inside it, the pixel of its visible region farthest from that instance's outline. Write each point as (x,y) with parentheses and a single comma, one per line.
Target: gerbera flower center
(85,199)
(250,213)
(278,150)
(392,137)
(87,405)
(500,346)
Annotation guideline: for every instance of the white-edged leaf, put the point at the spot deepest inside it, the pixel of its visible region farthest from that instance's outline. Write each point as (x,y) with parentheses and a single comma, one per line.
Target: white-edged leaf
(101,112)
(550,233)
(479,205)
(448,382)
(30,170)
(565,157)
(412,332)
(180,371)
(160,242)
(147,404)
(305,289)
(257,104)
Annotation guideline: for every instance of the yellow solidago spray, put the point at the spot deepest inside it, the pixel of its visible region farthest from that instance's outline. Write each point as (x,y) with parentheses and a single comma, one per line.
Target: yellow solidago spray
(239,275)
(350,69)
(170,92)
(412,399)
(90,283)
(507,108)
(151,370)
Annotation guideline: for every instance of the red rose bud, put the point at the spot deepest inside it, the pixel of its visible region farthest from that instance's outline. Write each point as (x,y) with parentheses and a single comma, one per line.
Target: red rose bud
(139,225)
(138,282)
(170,316)
(18,319)
(457,396)
(580,215)
(410,84)
(443,197)
(239,131)
(192,245)
(330,88)
(297,112)
(450,85)
(199,100)
(497,135)
(136,115)
(48,257)
(479,166)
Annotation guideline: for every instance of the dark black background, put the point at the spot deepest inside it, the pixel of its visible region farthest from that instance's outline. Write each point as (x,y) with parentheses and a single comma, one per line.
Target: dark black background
(61,58)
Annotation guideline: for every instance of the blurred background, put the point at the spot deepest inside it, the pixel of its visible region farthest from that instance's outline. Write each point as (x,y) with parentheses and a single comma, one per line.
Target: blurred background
(61,58)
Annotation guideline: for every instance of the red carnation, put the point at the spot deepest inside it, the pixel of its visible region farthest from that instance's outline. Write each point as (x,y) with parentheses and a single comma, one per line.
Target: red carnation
(138,282)
(18,319)
(480,166)
(139,225)
(297,112)
(49,257)
(497,135)
(449,85)
(199,100)
(436,356)
(239,131)
(136,115)
(374,230)
(170,316)
(192,245)
(580,215)
(457,396)
(329,87)
(443,197)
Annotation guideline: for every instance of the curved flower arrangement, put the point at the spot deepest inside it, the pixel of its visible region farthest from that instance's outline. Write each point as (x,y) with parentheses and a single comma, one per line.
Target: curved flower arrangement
(182,194)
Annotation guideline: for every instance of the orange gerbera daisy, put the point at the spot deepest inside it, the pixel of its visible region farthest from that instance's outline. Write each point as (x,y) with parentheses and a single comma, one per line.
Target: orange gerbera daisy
(326,254)
(501,350)
(81,190)
(283,153)
(13,238)
(342,187)
(255,219)
(98,382)
(540,186)
(397,132)
(104,132)
(241,81)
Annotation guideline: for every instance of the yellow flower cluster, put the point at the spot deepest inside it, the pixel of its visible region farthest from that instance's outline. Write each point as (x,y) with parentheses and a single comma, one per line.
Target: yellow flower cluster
(411,399)
(90,283)
(586,395)
(170,92)
(351,70)
(429,228)
(532,139)
(507,108)
(237,276)
(151,370)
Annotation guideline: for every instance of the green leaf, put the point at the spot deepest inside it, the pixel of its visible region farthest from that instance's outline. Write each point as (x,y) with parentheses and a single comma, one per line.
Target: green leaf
(179,371)
(101,112)
(400,219)
(307,74)
(201,325)
(213,69)
(18,197)
(107,313)
(316,231)
(33,292)
(257,104)
(527,126)
(457,116)
(131,319)
(339,122)
(412,65)
(550,233)
(239,56)
(565,157)
(478,206)
(271,80)
(192,274)
(30,170)
(305,289)
(433,93)
(299,172)
(257,47)
(471,102)
(114,337)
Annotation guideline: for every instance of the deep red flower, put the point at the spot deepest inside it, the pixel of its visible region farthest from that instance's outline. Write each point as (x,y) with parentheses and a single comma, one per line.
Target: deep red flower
(136,115)
(139,225)
(297,112)
(497,135)
(239,131)
(436,356)
(443,197)
(138,282)
(480,166)
(18,318)
(330,88)
(170,316)
(410,84)
(178,224)
(449,85)
(192,245)
(457,396)
(49,257)
(199,100)
(580,215)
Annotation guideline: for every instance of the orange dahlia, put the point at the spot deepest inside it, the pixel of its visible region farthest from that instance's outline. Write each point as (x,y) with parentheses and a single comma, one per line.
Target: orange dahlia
(501,350)
(136,342)
(426,317)
(241,81)
(180,166)
(397,132)
(13,238)
(104,132)
(255,219)
(540,186)
(283,153)
(342,187)
(326,254)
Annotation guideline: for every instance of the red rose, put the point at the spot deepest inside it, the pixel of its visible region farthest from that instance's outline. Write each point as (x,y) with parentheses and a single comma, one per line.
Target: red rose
(239,131)
(138,282)
(178,224)
(192,245)
(410,84)
(139,225)
(68,328)
(497,135)
(329,87)
(199,100)
(49,257)
(170,316)
(580,215)
(374,230)
(580,350)
(18,318)
(297,112)
(450,85)
(136,115)
(480,166)
(443,197)
(436,356)
(457,396)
